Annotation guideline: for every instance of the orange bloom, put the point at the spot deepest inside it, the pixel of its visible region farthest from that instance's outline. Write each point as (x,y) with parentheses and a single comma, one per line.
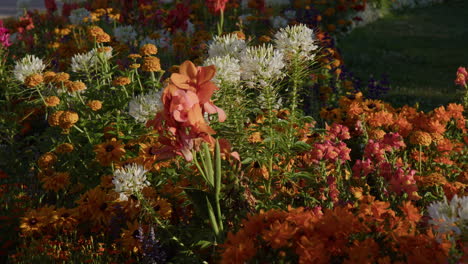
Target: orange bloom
(279,234)
(110,151)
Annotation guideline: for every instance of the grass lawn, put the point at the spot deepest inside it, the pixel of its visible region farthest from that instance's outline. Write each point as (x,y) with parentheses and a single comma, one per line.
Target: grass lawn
(420,49)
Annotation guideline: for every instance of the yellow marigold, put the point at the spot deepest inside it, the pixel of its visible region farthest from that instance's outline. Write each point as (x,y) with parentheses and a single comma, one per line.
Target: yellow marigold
(433,179)
(62,31)
(436,137)
(59,181)
(52,101)
(134,56)
(421,138)
(95,105)
(255,137)
(68,119)
(135,66)
(54,119)
(148,49)
(33,80)
(46,160)
(151,64)
(75,86)
(103,38)
(61,77)
(49,76)
(94,31)
(64,148)
(121,81)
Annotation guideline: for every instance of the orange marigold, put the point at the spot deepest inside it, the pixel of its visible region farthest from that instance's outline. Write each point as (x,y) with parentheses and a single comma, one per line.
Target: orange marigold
(68,119)
(64,148)
(49,76)
(46,160)
(75,86)
(58,181)
(33,80)
(151,64)
(52,101)
(95,105)
(420,138)
(148,49)
(121,81)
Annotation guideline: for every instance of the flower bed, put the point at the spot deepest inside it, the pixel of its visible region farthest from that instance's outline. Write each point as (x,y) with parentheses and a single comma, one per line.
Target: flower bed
(133,133)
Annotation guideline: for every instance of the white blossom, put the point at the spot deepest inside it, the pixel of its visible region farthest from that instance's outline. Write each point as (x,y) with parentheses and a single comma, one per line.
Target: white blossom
(129,180)
(85,62)
(226,45)
(296,40)
(27,66)
(261,65)
(449,217)
(144,107)
(125,34)
(77,16)
(227,70)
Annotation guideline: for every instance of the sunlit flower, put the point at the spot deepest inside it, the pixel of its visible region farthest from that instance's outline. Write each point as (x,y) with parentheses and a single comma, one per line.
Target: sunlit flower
(261,65)
(229,44)
(298,40)
(144,107)
(110,151)
(227,70)
(129,180)
(450,217)
(28,66)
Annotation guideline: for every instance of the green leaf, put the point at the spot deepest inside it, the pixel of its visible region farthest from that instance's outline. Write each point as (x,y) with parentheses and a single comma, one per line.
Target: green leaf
(198,199)
(301,146)
(204,244)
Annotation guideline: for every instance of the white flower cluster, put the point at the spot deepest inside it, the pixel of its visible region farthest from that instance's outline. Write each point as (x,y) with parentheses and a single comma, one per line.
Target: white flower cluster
(226,45)
(125,34)
(227,70)
(261,65)
(27,66)
(77,16)
(144,107)
(129,180)
(298,40)
(450,217)
(85,62)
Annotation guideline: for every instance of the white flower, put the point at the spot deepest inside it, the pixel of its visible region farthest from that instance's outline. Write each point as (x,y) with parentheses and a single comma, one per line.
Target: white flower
(296,40)
(77,16)
(226,45)
(278,22)
(85,62)
(227,70)
(261,65)
(144,107)
(27,66)
(130,180)
(125,34)
(449,217)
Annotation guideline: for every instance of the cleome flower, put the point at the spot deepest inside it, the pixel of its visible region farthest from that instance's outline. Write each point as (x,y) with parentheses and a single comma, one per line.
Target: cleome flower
(125,34)
(449,217)
(130,180)
(261,65)
(229,44)
(144,107)
(227,70)
(85,62)
(27,66)
(296,40)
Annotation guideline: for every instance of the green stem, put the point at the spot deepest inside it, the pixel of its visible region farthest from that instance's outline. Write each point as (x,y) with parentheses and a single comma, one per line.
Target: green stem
(221,23)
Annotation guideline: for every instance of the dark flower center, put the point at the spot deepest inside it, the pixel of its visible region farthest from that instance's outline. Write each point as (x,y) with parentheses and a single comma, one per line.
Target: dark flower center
(372,105)
(103,206)
(33,221)
(157,207)
(136,234)
(153,150)
(65,215)
(110,148)
(256,165)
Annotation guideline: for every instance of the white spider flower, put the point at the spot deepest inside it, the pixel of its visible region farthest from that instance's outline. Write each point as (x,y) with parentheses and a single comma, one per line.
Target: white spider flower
(129,180)
(125,34)
(262,65)
(226,45)
(85,62)
(27,66)
(298,40)
(449,217)
(144,107)
(77,16)
(227,70)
